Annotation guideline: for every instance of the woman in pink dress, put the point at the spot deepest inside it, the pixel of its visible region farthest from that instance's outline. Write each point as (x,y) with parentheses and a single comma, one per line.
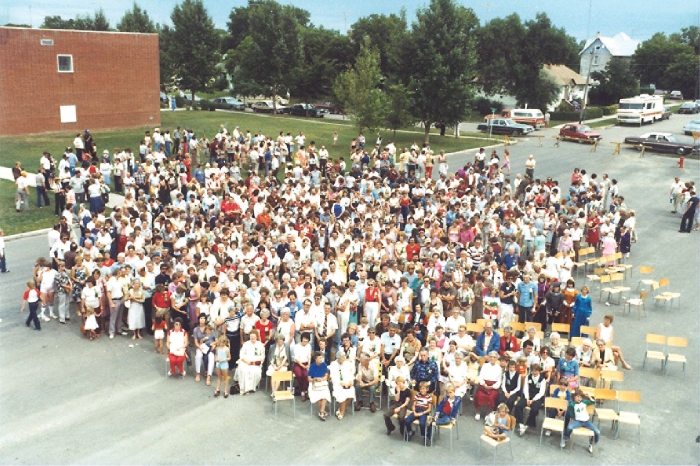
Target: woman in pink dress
(609,246)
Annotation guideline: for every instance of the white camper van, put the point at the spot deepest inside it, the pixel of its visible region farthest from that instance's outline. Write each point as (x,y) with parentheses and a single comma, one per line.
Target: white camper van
(642,109)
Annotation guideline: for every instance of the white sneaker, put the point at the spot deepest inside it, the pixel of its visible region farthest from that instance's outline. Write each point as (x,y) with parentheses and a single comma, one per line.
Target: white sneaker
(523,429)
(111,337)
(184,374)
(477,416)
(45,319)
(590,448)
(170,374)
(547,433)
(54,316)
(562,444)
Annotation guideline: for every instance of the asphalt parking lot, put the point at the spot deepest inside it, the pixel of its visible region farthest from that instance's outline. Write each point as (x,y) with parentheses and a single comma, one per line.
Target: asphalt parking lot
(65,400)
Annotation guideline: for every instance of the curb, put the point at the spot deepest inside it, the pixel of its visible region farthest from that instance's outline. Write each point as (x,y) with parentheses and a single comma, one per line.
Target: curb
(27,234)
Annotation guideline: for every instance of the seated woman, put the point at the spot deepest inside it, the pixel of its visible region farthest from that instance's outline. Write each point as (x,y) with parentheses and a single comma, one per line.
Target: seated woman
(489,383)
(410,347)
(502,426)
(509,344)
(177,345)
(605,332)
(278,359)
(584,355)
(457,374)
(556,348)
(531,335)
(342,374)
(318,384)
(567,368)
(301,354)
(249,370)
(547,363)
(399,370)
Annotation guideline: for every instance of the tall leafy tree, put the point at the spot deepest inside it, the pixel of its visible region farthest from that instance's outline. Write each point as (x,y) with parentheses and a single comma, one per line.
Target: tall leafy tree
(136,20)
(440,62)
(192,46)
(274,52)
(399,106)
(82,23)
(670,62)
(615,82)
(358,90)
(387,33)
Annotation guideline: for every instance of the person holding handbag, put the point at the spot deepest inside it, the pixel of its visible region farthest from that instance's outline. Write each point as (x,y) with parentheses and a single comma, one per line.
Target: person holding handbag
(318,374)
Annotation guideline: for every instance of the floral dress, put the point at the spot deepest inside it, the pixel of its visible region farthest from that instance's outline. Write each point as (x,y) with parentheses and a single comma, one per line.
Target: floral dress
(76,294)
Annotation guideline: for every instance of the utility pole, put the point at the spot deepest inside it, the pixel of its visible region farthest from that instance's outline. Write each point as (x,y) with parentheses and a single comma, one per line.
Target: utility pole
(588,78)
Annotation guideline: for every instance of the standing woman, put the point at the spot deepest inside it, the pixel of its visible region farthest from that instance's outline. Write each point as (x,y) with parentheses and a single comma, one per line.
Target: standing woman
(177,344)
(78,276)
(593,230)
(542,291)
(625,241)
(570,293)
(95,192)
(582,310)
(137,316)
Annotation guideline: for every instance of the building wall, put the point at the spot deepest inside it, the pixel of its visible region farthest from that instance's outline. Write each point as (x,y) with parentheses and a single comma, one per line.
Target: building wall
(596,62)
(114,84)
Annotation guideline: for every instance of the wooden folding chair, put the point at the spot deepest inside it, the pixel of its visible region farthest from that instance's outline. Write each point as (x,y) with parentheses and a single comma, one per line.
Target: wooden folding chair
(474,328)
(576,341)
(592,374)
(449,427)
(654,339)
(284,395)
(482,322)
(607,377)
(645,270)
(669,296)
(638,303)
(537,325)
(627,417)
(606,414)
(603,280)
(518,327)
(583,431)
(551,423)
(588,330)
(676,342)
(495,444)
(562,328)
(597,273)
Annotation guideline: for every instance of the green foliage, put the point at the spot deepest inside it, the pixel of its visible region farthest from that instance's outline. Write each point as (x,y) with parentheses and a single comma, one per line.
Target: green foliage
(357,90)
(191,46)
(82,23)
(205,105)
(387,33)
(483,105)
(15,25)
(609,109)
(591,113)
(399,107)
(654,56)
(616,82)
(136,20)
(440,63)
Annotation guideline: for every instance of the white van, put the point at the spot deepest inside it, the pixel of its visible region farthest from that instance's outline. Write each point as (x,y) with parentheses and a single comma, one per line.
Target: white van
(642,109)
(526,116)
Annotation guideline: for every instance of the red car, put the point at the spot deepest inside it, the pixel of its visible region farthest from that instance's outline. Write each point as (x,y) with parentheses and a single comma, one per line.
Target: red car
(580,133)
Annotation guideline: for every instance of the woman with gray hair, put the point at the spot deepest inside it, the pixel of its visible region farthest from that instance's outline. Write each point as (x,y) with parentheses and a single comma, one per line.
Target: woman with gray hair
(278,359)
(137,317)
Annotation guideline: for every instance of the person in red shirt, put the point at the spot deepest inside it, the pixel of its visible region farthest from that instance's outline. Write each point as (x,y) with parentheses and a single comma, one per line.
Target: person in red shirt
(264,218)
(229,207)
(412,250)
(161,301)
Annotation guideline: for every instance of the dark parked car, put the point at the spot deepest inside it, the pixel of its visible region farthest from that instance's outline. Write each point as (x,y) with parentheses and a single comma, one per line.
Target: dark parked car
(330,107)
(579,133)
(306,110)
(227,103)
(662,142)
(689,108)
(504,126)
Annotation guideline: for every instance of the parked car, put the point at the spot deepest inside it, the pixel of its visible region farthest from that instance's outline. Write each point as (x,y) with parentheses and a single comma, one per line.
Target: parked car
(692,127)
(663,142)
(306,110)
(666,114)
(188,96)
(227,103)
(265,106)
(689,108)
(675,95)
(330,107)
(579,133)
(504,126)
(529,116)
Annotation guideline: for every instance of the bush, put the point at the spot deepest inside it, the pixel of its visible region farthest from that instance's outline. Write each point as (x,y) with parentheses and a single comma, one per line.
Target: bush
(591,113)
(646,90)
(609,110)
(483,105)
(180,102)
(205,105)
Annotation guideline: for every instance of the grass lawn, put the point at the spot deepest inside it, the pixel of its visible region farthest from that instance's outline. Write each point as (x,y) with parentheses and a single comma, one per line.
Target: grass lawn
(12,222)
(28,149)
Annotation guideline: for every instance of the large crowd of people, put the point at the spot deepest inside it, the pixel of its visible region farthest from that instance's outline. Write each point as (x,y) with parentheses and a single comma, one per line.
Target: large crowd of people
(249,254)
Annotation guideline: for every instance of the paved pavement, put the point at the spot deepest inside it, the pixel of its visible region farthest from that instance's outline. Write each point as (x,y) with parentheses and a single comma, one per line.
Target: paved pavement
(65,400)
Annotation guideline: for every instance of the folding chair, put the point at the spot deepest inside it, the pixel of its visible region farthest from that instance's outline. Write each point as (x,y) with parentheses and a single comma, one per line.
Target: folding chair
(537,325)
(645,270)
(604,279)
(588,330)
(615,289)
(627,417)
(562,328)
(606,414)
(583,431)
(653,339)
(576,341)
(597,273)
(676,342)
(284,395)
(670,296)
(474,328)
(517,327)
(592,374)
(449,427)
(377,388)
(551,423)
(495,444)
(638,303)
(607,377)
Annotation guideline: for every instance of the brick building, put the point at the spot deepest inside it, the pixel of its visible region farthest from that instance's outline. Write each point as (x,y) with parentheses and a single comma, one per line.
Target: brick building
(60,80)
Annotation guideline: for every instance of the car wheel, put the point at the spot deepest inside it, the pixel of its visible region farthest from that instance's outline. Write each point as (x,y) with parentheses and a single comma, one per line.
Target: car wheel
(639,147)
(579,140)
(680,151)
(514,133)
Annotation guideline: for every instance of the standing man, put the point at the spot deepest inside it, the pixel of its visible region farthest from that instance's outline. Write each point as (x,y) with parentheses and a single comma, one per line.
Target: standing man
(22,192)
(530,167)
(115,298)
(41,193)
(689,214)
(676,194)
(547,117)
(63,286)
(3,259)
(527,297)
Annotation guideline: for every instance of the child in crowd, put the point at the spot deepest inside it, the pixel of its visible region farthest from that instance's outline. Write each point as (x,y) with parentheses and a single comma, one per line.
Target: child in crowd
(579,417)
(90,322)
(31,297)
(422,405)
(159,327)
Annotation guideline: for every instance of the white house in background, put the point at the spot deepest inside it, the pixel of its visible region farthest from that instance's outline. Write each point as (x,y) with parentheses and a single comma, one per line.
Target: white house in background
(599,51)
(571,84)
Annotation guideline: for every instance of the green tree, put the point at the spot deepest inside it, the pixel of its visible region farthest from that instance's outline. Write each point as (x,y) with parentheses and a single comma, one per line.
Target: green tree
(682,73)
(615,82)
(272,56)
(81,22)
(239,24)
(387,33)
(400,104)
(440,63)
(192,46)
(15,25)
(653,56)
(57,22)
(358,92)
(136,20)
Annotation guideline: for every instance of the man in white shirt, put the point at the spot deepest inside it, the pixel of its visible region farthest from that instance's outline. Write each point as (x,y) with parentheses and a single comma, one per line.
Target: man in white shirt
(326,326)
(676,194)
(305,321)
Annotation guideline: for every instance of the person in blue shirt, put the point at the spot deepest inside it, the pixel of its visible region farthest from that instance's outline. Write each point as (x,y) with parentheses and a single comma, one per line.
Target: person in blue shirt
(582,310)
(510,259)
(568,368)
(527,297)
(494,340)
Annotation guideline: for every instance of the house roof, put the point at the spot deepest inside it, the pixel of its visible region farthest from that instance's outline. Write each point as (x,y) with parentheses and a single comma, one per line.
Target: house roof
(563,75)
(620,45)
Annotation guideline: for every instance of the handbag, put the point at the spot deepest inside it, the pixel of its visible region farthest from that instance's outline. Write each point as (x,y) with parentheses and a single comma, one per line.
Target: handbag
(323,385)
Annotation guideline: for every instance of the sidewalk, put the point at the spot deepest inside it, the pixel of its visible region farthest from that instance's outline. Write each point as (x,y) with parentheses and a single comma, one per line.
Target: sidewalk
(115,200)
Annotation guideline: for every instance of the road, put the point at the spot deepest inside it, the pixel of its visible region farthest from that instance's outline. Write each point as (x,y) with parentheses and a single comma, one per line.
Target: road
(65,400)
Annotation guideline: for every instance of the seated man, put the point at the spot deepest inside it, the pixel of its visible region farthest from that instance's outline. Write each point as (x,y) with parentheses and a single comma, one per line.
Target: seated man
(425,370)
(464,341)
(529,354)
(367,377)
(487,341)
(533,396)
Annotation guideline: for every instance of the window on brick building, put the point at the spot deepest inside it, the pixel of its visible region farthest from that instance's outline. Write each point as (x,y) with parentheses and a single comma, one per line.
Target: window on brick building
(65,63)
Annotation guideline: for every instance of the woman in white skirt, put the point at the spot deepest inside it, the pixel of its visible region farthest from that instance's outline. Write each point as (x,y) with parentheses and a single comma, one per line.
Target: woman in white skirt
(318,384)
(137,317)
(342,375)
(457,374)
(249,370)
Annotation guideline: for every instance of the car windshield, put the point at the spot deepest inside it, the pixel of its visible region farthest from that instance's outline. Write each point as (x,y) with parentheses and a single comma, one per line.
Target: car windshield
(508,122)
(686,105)
(694,122)
(628,106)
(584,129)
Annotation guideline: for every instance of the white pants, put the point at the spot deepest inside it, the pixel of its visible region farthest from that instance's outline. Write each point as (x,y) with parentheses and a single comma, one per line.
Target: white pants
(63,306)
(198,362)
(371,312)
(505,312)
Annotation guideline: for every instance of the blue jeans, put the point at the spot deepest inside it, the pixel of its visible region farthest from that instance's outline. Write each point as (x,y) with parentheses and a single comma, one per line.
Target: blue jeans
(576,424)
(421,420)
(3,263)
